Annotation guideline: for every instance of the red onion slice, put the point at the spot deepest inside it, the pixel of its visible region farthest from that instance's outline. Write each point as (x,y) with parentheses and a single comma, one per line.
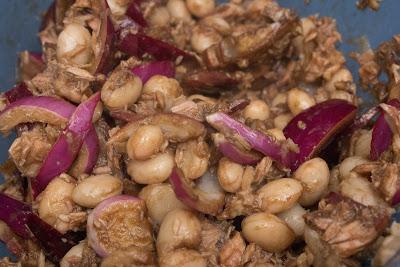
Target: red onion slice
(130,220)
(256,140)
(107,35)
(67,146)
(382,134)
(313,128)
(134,13)
(232,152)
(23,222)
(35,109)
(205,196)
(146,71)
(138,44)
(17,92)
(53,111)
(396,198)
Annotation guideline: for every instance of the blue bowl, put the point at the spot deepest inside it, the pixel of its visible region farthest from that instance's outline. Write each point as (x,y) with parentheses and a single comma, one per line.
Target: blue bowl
(20,19)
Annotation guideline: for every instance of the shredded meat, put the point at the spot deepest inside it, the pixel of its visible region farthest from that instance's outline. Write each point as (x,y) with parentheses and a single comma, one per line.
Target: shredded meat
(346,225)
(30,149)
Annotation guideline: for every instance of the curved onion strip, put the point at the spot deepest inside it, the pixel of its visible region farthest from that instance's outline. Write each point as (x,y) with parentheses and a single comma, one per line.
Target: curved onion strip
(382,134)
(25,223)
(255,139)
(138,44)
(44,109)
(97,212)
(67,146)
(134,13)
(209,81)
(232,152)
(146,71)
(313,128)
(17,92)
(53,111)
(106,36)
(206,196)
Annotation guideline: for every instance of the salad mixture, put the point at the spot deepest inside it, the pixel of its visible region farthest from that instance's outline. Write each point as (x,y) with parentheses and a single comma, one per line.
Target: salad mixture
(185,133)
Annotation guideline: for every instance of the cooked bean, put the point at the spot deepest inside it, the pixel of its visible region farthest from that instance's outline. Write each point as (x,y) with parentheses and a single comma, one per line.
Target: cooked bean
(94,189)
(362,146)
(267,231)
(282,120)
(200,8)
(178,10)
(56,199)
(180,228)
(256,110)
(230,175)
(159,17)
(74,45)
(118,7)
(160,199)
(73,256)
(183,258)
(277,133)
(350,163)
(146,141)
(121,89)
(294,218)
(314,175)
(279,195)
(192,158)
(299,100)
(152,171)
(204,37)
(361,190)
(160,86)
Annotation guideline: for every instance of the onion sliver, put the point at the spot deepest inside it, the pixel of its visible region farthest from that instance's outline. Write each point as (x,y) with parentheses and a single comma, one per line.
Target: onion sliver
(146,71)
(205,196)
(67,146)
(382,134)
(315,127)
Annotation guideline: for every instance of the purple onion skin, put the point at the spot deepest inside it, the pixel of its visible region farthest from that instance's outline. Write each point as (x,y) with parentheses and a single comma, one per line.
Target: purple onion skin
(67,146)
(236,155)
(134,13)
(25,223)
(138,44)
(104,64)
(93,148)
(382,134)
(17,92)
(146,71)
(396,198)
(257,140)
(54,244)
(14,213)
(313,128)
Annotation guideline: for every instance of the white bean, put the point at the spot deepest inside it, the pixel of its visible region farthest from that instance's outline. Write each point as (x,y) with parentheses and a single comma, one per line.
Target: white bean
(314,175)
(94,189)
(180,228)
(279,195)
(360,190)
(56,200)
(160,199)
(159,17)
(152,171)
(146,141)
(268,231)
(294,218)
(230,175)
(178,10)
(362,146)
(256,110)
(299,100)
(350,163)
(73,256)
(74,45)
(200,8)
(282,120)
(183,258)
